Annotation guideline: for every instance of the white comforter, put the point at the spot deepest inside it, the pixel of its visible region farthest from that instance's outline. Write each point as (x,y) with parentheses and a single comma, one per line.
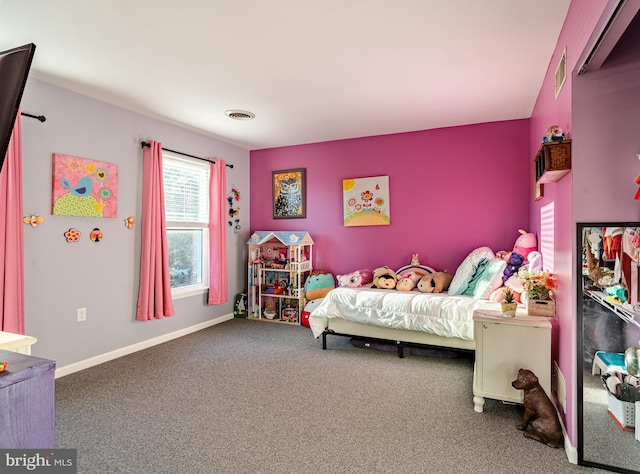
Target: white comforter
(435,313)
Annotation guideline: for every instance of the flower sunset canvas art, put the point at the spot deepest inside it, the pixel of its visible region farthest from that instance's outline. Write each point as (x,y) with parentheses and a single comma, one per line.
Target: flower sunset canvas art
(366,201)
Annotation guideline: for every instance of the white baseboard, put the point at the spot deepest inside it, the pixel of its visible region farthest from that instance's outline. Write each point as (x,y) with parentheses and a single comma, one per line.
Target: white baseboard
(93,361)
(570,450)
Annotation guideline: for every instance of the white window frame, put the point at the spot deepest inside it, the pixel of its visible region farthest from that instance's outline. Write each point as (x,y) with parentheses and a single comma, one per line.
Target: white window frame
(203,287)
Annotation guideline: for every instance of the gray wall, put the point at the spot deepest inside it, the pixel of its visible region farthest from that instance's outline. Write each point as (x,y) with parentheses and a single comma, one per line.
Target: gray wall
(103,277)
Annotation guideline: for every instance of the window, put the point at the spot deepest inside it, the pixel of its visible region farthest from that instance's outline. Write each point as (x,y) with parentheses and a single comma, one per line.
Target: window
(186,197)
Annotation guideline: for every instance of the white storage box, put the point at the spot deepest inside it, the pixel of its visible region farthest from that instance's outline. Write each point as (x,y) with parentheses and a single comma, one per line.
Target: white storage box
(624,413)
(638,420)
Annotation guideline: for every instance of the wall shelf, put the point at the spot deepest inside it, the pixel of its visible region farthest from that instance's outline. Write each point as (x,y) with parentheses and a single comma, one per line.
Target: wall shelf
(622,312)
(553,161)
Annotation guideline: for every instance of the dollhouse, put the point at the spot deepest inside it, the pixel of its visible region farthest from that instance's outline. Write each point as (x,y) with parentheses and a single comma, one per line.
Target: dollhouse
(279,263)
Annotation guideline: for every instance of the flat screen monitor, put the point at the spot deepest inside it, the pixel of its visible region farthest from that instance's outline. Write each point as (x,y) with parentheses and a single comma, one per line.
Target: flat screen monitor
(14,70)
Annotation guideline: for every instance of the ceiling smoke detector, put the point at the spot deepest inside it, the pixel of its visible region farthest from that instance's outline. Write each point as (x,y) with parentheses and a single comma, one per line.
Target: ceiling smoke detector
(240,114)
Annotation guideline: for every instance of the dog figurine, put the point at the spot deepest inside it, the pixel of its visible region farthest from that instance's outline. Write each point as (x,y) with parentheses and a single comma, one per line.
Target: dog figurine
(539,412)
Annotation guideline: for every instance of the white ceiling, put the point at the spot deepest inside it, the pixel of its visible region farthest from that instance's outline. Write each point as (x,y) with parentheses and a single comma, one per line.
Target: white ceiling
(310,70)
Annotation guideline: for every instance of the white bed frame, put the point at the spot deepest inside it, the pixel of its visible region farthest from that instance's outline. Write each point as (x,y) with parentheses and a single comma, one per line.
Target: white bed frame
(402,337)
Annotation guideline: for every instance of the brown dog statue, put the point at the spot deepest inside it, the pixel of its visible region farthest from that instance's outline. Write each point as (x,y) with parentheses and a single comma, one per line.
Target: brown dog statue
(539,412)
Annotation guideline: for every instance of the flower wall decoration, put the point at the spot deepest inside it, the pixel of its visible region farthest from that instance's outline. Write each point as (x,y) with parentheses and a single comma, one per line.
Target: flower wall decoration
(72,235)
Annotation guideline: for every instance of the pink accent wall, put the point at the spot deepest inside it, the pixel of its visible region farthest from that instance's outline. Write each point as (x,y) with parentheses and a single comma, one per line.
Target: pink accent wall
(451,191)
(581,20)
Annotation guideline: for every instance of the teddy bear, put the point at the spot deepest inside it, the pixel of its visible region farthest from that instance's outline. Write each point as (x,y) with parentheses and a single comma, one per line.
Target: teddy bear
(514,262)
(385,278)
(408,281)
(355,279)
(435,282)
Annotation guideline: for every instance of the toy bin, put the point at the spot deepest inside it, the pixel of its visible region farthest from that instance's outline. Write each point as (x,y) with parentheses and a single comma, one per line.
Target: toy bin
(623,413)
(638,420)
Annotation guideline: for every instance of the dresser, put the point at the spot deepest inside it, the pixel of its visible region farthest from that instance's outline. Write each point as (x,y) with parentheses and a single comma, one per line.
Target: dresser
(505,345)
(27,402)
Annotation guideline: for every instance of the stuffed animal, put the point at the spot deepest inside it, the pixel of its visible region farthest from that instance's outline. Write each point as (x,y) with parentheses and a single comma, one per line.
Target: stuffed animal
(384,277)
(318,284)
(525,244)
(435,282)
(408,282)
(514,262)
(535,262)
(308,309)
(355,279)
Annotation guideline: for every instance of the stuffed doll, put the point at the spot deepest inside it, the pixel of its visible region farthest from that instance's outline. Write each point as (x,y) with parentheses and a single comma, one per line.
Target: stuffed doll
(435,282)
(385,278)
(408,282)
(355,279)
(525,244)
(318,284)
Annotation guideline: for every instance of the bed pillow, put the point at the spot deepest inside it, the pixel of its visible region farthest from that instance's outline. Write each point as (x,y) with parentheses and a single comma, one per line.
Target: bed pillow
(490,280)
(465,273)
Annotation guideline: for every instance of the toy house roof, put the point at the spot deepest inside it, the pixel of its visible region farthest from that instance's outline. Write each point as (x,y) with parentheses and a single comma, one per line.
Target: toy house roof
(287,237)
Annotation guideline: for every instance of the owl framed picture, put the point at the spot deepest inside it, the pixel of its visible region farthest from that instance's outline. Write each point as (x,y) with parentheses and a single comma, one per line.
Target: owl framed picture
(289,194)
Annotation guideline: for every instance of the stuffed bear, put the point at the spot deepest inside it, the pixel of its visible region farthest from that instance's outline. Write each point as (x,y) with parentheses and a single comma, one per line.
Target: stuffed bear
(514,262)
(435,282)
(355,279)
(318,284)
(408,282)
(385,278)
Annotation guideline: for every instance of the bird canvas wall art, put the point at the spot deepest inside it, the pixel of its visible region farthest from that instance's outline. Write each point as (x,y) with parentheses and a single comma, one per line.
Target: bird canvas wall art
(83,187)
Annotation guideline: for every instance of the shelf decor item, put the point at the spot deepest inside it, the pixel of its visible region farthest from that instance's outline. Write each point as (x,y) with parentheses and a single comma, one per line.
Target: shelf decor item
(539,288)
(509,304)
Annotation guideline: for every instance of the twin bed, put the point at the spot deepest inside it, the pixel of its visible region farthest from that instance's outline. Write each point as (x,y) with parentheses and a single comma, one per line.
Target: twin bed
(412,317)
(404,317)
(408,317)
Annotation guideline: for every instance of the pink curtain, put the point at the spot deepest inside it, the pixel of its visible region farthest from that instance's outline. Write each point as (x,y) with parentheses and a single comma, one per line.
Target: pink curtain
(11,237)
(218,281)
(154,295)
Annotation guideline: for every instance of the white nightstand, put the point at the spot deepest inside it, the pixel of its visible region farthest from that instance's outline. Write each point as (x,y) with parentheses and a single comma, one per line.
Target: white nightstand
(16,342)
(505,345)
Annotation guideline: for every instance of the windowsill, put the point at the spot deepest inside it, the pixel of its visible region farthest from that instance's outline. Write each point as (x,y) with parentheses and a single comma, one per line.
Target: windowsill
(187,292)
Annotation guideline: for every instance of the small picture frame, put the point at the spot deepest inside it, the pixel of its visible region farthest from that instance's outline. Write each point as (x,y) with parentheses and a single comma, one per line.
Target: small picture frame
(289,194)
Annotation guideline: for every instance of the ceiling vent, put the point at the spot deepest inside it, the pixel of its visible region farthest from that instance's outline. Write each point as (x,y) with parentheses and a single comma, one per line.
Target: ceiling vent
(561,72)
(240,114)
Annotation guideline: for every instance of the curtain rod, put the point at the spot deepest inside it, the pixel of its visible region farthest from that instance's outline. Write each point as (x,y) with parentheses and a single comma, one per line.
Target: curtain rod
(42,118)
(145,144)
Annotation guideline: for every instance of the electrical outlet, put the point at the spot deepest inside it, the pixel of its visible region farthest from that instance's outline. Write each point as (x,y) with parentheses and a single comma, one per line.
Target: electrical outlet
(82,314)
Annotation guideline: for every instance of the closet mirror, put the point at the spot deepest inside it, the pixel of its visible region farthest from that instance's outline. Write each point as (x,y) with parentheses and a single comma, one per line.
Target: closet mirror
(608,324)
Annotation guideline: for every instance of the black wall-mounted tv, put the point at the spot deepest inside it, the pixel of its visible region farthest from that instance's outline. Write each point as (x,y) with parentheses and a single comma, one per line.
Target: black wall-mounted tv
(14,70)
